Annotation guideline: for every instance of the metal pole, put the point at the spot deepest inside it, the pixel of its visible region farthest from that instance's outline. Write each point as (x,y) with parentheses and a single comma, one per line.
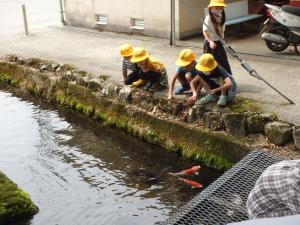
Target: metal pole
(62,16)
(25,19)
(172,34)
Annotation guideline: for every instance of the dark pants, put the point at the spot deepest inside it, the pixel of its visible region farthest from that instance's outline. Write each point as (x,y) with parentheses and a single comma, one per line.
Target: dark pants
(219,54)
(150,76)
(132,77)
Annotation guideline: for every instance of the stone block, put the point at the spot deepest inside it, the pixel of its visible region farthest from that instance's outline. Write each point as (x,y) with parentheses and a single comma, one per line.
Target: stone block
(235,123)
(125,94)
(296,136)
(110,90)
(279,133)
(257,122)
(213,120)
(196,113)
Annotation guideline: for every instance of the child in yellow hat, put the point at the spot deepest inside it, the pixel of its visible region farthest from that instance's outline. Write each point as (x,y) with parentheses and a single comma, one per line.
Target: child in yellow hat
(152,71)
(218,83)
(214,21)
(184,73)
(126,52)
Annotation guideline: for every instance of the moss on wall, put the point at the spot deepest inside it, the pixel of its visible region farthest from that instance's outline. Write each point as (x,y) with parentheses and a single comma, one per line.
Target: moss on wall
(214,149)
(14,203)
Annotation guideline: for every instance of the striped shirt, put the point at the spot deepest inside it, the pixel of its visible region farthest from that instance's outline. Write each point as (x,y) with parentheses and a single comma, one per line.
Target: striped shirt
(127,65)
(276,192)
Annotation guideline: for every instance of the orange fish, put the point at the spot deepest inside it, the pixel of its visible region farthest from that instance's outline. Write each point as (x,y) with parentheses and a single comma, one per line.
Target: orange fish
(192,183)
(190,171)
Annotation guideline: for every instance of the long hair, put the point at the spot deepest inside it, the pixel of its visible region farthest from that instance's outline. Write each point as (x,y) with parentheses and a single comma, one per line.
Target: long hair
(214,22)
(213,18)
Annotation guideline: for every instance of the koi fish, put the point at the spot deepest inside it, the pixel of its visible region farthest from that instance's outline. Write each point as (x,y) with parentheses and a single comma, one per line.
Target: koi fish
(191,171)
(193,184)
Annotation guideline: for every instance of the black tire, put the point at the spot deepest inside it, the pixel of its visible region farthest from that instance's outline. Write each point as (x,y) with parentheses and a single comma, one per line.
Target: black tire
(274,46)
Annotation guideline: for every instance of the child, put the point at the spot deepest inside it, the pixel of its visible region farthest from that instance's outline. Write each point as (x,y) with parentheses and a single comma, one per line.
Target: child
(184,73)
(126,52)
(152,71)
(217,82)
(215,21)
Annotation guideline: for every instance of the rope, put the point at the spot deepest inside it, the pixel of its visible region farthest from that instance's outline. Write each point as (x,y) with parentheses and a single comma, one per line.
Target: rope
(234,54)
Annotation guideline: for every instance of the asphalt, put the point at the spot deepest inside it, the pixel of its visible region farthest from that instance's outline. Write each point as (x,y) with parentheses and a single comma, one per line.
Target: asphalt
(97,53)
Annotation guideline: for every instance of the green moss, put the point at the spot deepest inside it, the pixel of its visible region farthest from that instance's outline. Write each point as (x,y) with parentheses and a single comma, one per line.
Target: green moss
(14,203)
(241,105)
(215,149)
(104,77)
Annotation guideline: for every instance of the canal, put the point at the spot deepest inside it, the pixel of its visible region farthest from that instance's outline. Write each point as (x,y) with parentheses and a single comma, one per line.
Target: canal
(79,171)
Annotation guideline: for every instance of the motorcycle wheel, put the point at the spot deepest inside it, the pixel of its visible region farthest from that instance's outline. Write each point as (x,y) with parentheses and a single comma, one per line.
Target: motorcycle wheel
(274,46)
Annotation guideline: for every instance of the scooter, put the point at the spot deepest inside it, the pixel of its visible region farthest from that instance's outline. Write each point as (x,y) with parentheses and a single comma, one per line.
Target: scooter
(283,28)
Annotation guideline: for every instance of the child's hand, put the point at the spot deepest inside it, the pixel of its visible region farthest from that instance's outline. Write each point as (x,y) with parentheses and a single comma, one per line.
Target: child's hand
(170,97)
(212,45)
(212,92)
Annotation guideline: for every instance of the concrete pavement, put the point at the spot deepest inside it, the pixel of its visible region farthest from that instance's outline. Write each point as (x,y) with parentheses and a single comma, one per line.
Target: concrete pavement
(98,53)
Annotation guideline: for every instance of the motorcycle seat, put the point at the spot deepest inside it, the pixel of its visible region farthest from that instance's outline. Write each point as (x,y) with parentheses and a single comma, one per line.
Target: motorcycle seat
(291,9)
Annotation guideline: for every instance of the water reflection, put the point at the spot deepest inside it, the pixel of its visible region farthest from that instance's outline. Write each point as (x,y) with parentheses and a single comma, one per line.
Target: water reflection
(81,172)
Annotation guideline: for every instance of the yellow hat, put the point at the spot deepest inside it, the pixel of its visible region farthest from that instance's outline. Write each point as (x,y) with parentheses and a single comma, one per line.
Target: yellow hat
(206,63)
(139,54)
(217,3)
(186,56)
(126,50)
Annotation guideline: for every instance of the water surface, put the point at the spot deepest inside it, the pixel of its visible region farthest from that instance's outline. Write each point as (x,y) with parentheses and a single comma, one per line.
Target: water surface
(79,171)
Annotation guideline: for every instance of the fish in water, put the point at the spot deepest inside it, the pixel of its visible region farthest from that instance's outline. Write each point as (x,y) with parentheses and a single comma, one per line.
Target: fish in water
(190,171)
(193,184)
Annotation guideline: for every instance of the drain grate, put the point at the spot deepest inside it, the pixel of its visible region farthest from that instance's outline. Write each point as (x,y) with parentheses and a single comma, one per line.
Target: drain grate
(224,201)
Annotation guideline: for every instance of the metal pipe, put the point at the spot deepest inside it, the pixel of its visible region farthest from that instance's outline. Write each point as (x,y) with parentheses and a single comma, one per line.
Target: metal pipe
(172,19)
(25,19)
(62,13)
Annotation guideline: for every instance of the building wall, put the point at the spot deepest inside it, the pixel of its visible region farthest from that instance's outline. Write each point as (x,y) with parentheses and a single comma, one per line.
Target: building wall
(156,15)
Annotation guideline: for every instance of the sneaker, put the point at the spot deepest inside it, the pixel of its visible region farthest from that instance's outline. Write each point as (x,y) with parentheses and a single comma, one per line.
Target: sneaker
(207,99)
(155,87)
(138,83)
(222,100)
(181,90)
(147,86)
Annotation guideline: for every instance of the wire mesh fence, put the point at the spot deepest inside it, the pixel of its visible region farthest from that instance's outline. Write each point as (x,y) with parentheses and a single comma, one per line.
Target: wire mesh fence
(224,201)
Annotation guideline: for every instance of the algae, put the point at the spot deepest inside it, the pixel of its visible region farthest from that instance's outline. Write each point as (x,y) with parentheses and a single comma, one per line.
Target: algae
(14,203)
(241,105)
(214,149)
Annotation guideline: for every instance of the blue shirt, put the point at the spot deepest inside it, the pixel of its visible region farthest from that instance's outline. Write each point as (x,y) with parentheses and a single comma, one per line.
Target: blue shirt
(182,71)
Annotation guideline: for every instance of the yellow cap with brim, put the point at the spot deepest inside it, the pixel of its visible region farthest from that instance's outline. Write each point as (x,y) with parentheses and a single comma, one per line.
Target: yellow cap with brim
(126,50)
(206,63)
(139,54)
(217,3)
(186,57)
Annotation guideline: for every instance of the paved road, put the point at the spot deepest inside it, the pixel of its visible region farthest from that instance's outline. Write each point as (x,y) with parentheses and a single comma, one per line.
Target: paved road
(98,53)
(39,13)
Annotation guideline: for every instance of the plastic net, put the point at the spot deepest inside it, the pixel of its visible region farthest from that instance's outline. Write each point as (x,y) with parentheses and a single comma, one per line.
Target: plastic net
(224,201)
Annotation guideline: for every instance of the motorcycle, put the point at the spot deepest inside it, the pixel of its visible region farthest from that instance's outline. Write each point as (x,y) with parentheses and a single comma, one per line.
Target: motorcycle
(283,28)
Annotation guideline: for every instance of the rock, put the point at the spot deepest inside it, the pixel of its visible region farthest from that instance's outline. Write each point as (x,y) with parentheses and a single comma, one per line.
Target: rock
(61,67)
(79,80)
(196,112)
(68,76)
(20,61)
(213,107)
(256,123)
(54,67)
(296,136)
(95,84)
(279,133)
(213,120)
(12,58)
(125,94)
(235,123)
(176,108)
(43,67)
(110,90)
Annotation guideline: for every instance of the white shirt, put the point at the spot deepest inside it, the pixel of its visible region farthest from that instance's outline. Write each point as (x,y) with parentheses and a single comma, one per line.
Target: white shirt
(210,24)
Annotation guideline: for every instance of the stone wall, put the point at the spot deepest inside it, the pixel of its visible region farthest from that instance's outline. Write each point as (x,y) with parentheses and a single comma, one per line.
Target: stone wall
(216,136)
